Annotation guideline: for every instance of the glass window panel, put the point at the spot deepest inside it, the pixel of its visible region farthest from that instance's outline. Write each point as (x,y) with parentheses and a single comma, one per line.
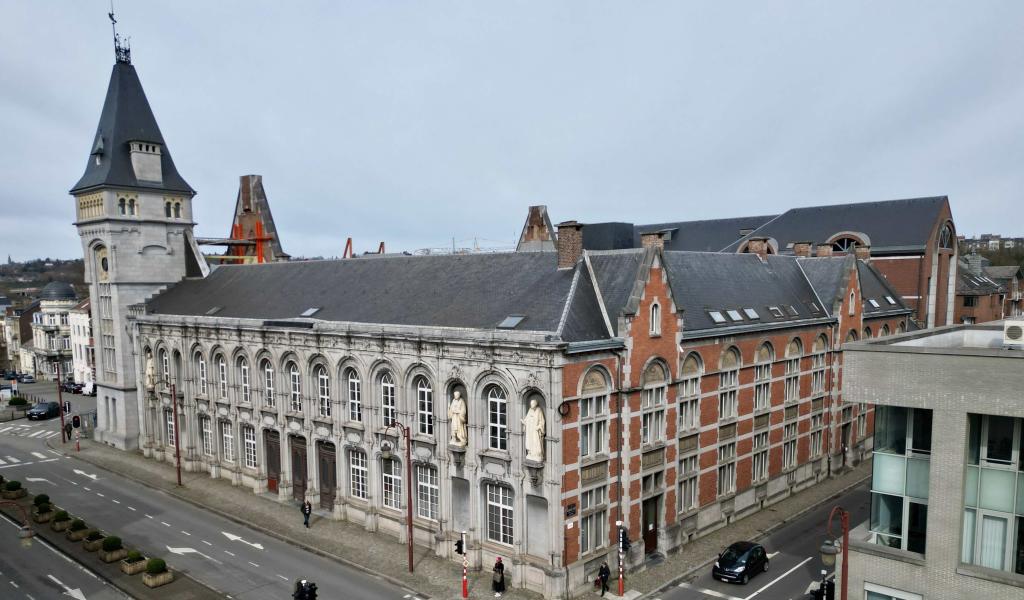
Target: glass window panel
(997,489)
(1020,494)
(887,514)
(888,474)
(971,487)
(891,429)
(1018,563)
(877,596)
(999,441)
(967,544)
(917,477)
(992,544)
(922,431)
(973,439)
(917,527)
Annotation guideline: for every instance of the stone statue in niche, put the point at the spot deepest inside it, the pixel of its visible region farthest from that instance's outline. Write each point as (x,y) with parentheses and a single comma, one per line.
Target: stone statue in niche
(150,373)
(457,418)
(533,431)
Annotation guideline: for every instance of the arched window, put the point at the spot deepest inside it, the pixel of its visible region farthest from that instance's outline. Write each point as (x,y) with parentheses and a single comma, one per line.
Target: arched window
(391,471)
(167,209)
(655,318)
(844,244)
(818,364)
(424,406)
(652,403)
(593,417)
(201,373)
(268,382)
(689,391)
(122,206)
(177,210)
(131,207)
(867,333)
(323,391)
(355,399)
(792,385)
(885,331)
(497,418)
(389,409)
(243,379)
(763,376)
(851,336)
(295,388)
(728,382)
(165,367)
(946,237)
(852,308)
(222,377)
(902,327)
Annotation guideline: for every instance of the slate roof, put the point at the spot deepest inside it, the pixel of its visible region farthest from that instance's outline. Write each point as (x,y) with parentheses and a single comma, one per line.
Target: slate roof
(616,274)
(827,276)
(1002,274)
(874,286)
(470,291)
(696,236)
(972,284)
(891,225)
(58,290)
(126,117)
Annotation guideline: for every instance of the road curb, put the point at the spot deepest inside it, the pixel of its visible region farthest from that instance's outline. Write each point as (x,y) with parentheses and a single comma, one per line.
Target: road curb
(766,532)
(291,541)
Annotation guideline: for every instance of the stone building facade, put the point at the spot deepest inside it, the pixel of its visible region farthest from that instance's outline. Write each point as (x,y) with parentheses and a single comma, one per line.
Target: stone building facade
(51,332)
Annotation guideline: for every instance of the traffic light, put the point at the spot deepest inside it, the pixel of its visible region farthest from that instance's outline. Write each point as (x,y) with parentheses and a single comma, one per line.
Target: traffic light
(460,547)
(76,421)
(310,591)
(624,543)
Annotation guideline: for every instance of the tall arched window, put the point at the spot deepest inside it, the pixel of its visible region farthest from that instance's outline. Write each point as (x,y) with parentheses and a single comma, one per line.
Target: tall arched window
(867,333)
(167,209)
(497,418)
(946,237)
(885,331)
(652,403)
(122,206)
(243,379)
(689,392)
(593,417)
(763,377)
(388,406)
(851,336)
(323,390)
(295,388)
(355,395)
(844,244)
(728,382)
(165,367)
(655,318)
(201,373)
(792,386)
(131,207)
(424,406)
(222,377)
(902,327)
(177,210)
(818,365)
(267,369)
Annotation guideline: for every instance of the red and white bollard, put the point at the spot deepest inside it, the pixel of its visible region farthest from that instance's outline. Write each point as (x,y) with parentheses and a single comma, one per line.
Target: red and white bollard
(78,446)
(465,578)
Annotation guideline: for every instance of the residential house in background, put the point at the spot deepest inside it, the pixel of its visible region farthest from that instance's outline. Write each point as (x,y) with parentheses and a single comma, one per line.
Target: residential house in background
(1011,278)
(82,354)
(51,331)
(979,298)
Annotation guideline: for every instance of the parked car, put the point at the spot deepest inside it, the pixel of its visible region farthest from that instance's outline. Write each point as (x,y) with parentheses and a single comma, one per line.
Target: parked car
(740,561)
(68,386)
(43,410)
(89,389)
(27,378)
(9,375)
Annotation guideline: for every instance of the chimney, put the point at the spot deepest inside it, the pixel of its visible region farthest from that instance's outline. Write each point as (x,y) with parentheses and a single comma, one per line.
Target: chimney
(538,234)
(758,246)
(802,249)
(569,244)
(823,250)
(862,252)
(974,263)
(652,239)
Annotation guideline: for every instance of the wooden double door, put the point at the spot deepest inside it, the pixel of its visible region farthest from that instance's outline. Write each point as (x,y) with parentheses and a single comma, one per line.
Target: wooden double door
(299,471)
(272,452)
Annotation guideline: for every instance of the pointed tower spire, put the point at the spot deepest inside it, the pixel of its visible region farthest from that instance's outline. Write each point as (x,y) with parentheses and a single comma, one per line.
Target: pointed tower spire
(122,47)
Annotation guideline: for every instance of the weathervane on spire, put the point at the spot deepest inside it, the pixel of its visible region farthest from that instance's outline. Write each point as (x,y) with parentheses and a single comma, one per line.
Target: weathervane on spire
(122,47)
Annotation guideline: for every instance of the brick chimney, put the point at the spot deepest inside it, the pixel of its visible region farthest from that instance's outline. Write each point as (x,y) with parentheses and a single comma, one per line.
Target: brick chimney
(802,249)
(652,239)
(569,244)
(862,252)
(823,250)
(758,246)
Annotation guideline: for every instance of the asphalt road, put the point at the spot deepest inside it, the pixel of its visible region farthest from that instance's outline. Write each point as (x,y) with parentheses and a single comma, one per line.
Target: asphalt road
(795,562)
(240,562)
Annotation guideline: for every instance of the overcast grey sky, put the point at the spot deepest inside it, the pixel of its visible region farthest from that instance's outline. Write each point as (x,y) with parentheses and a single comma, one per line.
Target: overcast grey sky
(417,122)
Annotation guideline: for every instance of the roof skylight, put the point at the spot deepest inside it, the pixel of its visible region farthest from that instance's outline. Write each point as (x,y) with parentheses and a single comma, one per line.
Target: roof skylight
(751,313)
(793,312)
(511,321)
(776,311)
(214,310)
(890,300)
(716,316)
(309,312)
(734,315)
(873,302)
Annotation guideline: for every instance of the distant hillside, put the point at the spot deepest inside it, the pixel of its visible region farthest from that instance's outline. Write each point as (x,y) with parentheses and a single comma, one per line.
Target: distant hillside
(21,281)
(1002,257)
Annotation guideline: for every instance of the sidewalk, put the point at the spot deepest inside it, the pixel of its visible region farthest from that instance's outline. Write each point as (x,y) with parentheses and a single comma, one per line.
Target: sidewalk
(377,554)
(700,552)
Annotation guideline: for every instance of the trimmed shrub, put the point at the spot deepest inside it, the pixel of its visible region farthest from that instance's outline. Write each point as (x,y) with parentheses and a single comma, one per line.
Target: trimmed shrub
(41,499)
(77,525)
(134,556)
(12,486)
(112,543)
(155,566)
(62,515)
(94,535)
(44,507)
(17,401)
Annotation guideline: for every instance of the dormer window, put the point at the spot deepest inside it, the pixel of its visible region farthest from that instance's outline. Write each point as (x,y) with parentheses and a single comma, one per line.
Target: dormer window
(146,161)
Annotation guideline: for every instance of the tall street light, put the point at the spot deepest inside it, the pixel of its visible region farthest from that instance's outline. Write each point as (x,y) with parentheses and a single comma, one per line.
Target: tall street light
(25,532)
(387,454)
(830,548)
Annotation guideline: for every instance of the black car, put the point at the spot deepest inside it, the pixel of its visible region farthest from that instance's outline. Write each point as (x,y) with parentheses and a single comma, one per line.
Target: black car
(43,410)
(68,386)
(740,561)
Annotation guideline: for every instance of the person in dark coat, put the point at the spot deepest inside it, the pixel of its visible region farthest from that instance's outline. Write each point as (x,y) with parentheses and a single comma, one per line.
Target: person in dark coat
(604,574)
(498,581)
(307,509)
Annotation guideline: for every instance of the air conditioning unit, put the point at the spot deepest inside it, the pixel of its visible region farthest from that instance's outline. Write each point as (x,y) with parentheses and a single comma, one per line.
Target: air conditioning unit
(1013,332)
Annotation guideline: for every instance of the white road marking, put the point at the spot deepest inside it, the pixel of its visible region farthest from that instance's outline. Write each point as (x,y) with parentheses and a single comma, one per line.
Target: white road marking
(38,455)
(54,452)
(84,474)
(773,554)
(14,584)
(6,429)
(777,579)
(49,460)
(132,508)
(51,434)
(229,553)
(238,538)
(184,551)
(186,533)
(12,459)
(708,592)
(35,433)
(86,489)
(100,495)
(254,564)
(166,524)
(149,516)
(115,501)
(282,577)
(3,462)
(206,542)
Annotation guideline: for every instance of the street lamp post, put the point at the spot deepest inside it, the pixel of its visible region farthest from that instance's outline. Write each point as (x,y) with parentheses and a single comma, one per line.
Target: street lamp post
(60,400)
(177,439)
(25,532)
(386,454)
(829,550)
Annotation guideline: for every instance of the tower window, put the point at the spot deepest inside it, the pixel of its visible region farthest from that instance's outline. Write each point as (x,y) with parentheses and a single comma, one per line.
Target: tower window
(177,210)
(122,206)
(131,207)
(167,209)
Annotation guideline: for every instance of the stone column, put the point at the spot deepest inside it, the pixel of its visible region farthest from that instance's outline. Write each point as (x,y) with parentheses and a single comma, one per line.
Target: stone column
(284,484)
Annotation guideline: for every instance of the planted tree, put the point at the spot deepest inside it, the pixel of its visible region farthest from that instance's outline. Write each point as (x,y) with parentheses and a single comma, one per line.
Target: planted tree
(41,499)
(134,556)
(155,566)
(112,543)
(12,486)
(93,535)
(62,515)
(77,525)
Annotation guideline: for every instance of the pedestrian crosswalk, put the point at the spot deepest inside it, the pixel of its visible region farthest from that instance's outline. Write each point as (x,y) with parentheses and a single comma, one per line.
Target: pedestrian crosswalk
(20,459)
(41,432)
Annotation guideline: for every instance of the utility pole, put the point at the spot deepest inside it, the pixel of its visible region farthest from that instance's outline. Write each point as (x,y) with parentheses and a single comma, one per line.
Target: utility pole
(60,400)
(177,439)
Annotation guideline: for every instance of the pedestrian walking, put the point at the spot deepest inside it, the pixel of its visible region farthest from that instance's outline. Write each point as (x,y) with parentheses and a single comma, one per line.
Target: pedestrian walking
(604,573)
(498,580)
(307,509)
